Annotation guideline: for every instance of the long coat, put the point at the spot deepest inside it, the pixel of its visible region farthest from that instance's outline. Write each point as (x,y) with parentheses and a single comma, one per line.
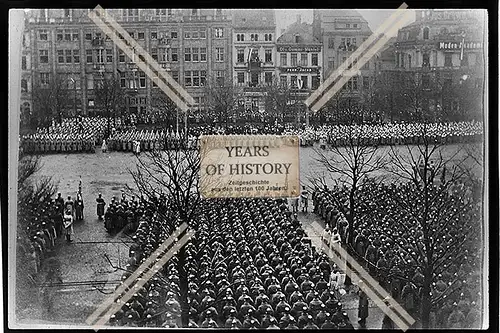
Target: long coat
(362,305)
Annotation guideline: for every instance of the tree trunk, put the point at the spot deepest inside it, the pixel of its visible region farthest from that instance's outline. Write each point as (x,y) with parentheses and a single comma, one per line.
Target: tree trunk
(426,300)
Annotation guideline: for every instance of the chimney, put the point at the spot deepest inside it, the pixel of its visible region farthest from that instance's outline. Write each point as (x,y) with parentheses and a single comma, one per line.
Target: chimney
(298,18)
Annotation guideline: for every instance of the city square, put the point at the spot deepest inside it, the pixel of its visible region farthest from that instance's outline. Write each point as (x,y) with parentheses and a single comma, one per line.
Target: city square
(389,156)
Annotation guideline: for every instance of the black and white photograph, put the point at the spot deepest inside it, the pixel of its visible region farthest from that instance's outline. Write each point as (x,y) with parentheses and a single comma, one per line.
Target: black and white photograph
(249,169)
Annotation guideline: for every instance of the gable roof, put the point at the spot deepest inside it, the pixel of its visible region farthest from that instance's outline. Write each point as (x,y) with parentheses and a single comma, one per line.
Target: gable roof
(253,18)
(304,30)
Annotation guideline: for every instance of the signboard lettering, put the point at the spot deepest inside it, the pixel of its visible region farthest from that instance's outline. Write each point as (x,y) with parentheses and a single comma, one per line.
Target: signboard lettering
(299,48)
(299,70)
(235,166)
(458,45)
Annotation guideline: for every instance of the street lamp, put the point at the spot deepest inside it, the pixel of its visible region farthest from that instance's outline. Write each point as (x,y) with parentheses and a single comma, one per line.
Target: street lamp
(74,100)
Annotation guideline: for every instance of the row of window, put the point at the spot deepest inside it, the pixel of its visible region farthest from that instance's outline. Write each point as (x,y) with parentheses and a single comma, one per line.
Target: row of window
(240,55)
(345,42)
(73,34)
(403,60)
(295,61)
(254,37)
(99,56)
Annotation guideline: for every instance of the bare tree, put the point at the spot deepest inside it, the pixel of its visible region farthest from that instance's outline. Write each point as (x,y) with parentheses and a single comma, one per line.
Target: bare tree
(281,98)
(50,99)
(175,173)
(445,218)
(222,95)
(109,96)
(352,161)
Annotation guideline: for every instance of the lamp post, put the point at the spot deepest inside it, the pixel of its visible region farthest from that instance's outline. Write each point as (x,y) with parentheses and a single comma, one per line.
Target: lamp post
(74,100)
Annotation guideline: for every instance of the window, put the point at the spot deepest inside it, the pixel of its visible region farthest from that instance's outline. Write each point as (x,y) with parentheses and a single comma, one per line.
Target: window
(293,81)
(194,12)
(24,85)
(297,38)
(293,59)
(203,34)
(240,77)
(76,36)
(131,33)
(91,102)
(123,81)
(268,37)
(173,34)
(409,60)
(195,54)
(447,60)
(67,35)
(187,54)
(109,55)
(353,41)
(188,81)
(425,81)
(44,56)
(366,82)
(331,42)
(163,54)
(88,54)
(402,60)
(240,37)
(425,60)
(426,33)
(203,54)
(219,32)
(254,79)
(314,59)
(219,54)
(131,14)
(347,25)
(304,82)
(219,78)
(268,77)
(154,35)
(354,83)
(44,78)
(195,34)
(160,12)
(68,54)
(175,76)
(355,25)
(142,79)
(121,56)
(187,34)
(174,54)
(315,82)
(88,36)
(140,35)
(23,62)
(60,56)
(303,59)
(100,56)
(67,13)
(43,35)
(268,55)
(283,59)
(154,53)
(59,35)
(465,60)
(240,55)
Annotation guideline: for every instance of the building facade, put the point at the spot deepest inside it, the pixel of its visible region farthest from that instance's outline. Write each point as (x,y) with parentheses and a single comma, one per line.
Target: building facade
(443,50)
(190,44)
(254,55)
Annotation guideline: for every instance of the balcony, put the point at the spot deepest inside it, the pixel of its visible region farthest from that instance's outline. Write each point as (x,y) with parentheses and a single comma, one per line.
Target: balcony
(255,64)
(98,42)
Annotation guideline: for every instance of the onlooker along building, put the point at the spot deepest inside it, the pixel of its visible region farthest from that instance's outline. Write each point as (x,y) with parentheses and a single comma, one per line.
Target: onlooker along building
(254,54)
(190,44)
(442,53)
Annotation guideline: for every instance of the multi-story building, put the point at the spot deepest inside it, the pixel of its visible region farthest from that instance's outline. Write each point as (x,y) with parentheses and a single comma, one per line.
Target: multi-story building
(341,32)
(443,51)
(254,54)
(300,57)
(190,44)
(299,61)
